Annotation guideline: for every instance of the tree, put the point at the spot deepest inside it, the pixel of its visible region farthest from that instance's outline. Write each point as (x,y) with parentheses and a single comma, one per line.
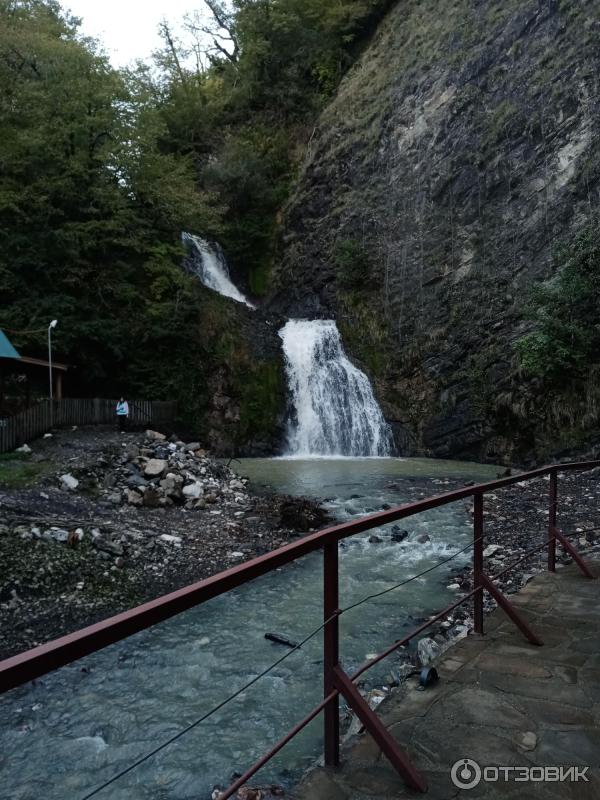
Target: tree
(566,340)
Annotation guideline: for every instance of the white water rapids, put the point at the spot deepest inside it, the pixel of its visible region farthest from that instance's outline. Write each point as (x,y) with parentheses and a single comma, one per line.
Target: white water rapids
(334,410)
(208,262)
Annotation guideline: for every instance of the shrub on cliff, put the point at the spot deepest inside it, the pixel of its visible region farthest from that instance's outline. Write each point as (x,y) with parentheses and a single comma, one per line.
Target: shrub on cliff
(566,340)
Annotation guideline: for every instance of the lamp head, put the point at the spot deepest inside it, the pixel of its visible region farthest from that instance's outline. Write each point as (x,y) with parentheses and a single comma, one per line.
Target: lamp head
(53,324)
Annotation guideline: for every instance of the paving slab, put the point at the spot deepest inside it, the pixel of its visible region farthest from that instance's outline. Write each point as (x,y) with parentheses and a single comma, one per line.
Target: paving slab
(500,701)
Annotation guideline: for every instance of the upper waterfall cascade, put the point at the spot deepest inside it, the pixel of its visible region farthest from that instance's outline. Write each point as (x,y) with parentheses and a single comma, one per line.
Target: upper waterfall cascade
(208,262)
(334,409)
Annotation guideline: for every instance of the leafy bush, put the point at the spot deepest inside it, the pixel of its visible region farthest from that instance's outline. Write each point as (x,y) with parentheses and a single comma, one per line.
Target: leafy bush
(566,341)
(352,262)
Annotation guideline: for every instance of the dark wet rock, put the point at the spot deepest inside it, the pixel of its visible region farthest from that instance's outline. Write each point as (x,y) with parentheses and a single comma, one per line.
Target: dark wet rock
(302,514)
(398,535)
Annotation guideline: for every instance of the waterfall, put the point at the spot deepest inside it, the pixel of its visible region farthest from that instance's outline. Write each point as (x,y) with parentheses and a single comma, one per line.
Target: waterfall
(207,261)
(334,409)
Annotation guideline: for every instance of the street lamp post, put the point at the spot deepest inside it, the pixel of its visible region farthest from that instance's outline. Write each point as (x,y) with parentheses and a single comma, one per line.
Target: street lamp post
(52,325)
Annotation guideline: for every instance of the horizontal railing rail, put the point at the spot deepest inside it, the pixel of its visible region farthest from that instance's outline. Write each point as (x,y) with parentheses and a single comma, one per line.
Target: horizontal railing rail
(21,428)
(34,663)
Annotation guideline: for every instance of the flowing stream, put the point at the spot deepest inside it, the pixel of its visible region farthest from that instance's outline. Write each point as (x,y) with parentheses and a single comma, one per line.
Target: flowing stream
(207,261)
(334,411)
(66,733)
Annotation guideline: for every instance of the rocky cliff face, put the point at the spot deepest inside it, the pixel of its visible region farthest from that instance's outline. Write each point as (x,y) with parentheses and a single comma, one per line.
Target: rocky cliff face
(460,150)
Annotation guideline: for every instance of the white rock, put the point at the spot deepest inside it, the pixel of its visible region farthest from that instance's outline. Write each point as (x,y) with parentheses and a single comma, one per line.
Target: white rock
(235,484)
(155,436)
(428,650)
(48,436)
(166,537)
(24,449)
(194,490)
(69,482)
(155,467)
(236,554)
(79,533)
(58,534)
(491,550)
(454,587)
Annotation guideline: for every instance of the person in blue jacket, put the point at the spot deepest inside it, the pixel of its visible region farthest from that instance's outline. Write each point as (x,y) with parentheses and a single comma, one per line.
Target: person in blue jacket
(122,413)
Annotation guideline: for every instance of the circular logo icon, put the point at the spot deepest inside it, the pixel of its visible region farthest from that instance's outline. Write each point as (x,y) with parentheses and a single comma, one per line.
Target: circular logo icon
(465,773)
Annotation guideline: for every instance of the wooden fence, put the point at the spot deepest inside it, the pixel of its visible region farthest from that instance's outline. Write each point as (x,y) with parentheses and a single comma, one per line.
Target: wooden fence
(40,418)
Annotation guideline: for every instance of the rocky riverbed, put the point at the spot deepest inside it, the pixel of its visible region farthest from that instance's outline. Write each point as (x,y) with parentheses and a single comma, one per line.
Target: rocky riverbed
(119,519)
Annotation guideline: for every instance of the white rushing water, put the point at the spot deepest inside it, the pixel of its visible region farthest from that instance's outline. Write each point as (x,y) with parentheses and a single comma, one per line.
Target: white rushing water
(208,262)
(334,411)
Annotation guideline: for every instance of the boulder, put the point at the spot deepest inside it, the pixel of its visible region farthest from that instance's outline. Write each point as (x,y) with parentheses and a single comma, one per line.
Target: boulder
(166,537)
(151,497)
(69,482)
(155,467)
(192,447)
(155,436)
(132,451)
(133,498)
(194,490)
(422,538)
(398,535)
(25,449)
(491,550)
(108,546)
(428,650)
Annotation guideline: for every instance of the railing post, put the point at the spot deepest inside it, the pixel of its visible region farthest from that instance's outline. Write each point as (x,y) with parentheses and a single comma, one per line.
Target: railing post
(552,512)
(478,562)
(331,651)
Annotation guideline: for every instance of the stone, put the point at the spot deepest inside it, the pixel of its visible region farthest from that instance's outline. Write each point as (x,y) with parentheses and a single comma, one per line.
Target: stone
(194,490)
(151,498)
(69,482)
(236,484)
(491,550)
(427,650)
(373,539)
(167,537)
(136,481)
(25,449)
(132,452)
(398,535)
(155,467)
(155,436)
(525,740)
(57,534)
(108,546)
(422,538)
(133,498)
(454,587)
(192,447)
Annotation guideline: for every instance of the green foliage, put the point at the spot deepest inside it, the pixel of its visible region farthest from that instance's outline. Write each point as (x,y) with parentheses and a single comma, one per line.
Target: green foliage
(101,170)
(17,472)
(91,206)
(246,115)
(566,341)
(352,263)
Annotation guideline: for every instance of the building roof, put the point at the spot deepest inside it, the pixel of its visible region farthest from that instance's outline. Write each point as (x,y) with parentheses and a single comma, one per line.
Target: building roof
(6,348)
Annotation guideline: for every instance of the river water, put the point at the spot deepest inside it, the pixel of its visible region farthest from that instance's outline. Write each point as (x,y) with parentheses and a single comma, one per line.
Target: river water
(75,728)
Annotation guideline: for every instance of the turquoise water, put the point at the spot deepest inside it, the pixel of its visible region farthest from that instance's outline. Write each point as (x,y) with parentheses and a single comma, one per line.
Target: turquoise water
(78,726)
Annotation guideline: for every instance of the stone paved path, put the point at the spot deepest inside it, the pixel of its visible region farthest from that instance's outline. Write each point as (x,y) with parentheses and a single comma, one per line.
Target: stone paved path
(499,701)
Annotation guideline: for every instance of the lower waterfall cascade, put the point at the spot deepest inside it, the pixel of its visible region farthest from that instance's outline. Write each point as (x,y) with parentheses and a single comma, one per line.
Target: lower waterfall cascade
(334,410)
(207,261)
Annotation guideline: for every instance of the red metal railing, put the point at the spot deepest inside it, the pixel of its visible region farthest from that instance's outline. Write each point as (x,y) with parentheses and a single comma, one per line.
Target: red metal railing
(32,664)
